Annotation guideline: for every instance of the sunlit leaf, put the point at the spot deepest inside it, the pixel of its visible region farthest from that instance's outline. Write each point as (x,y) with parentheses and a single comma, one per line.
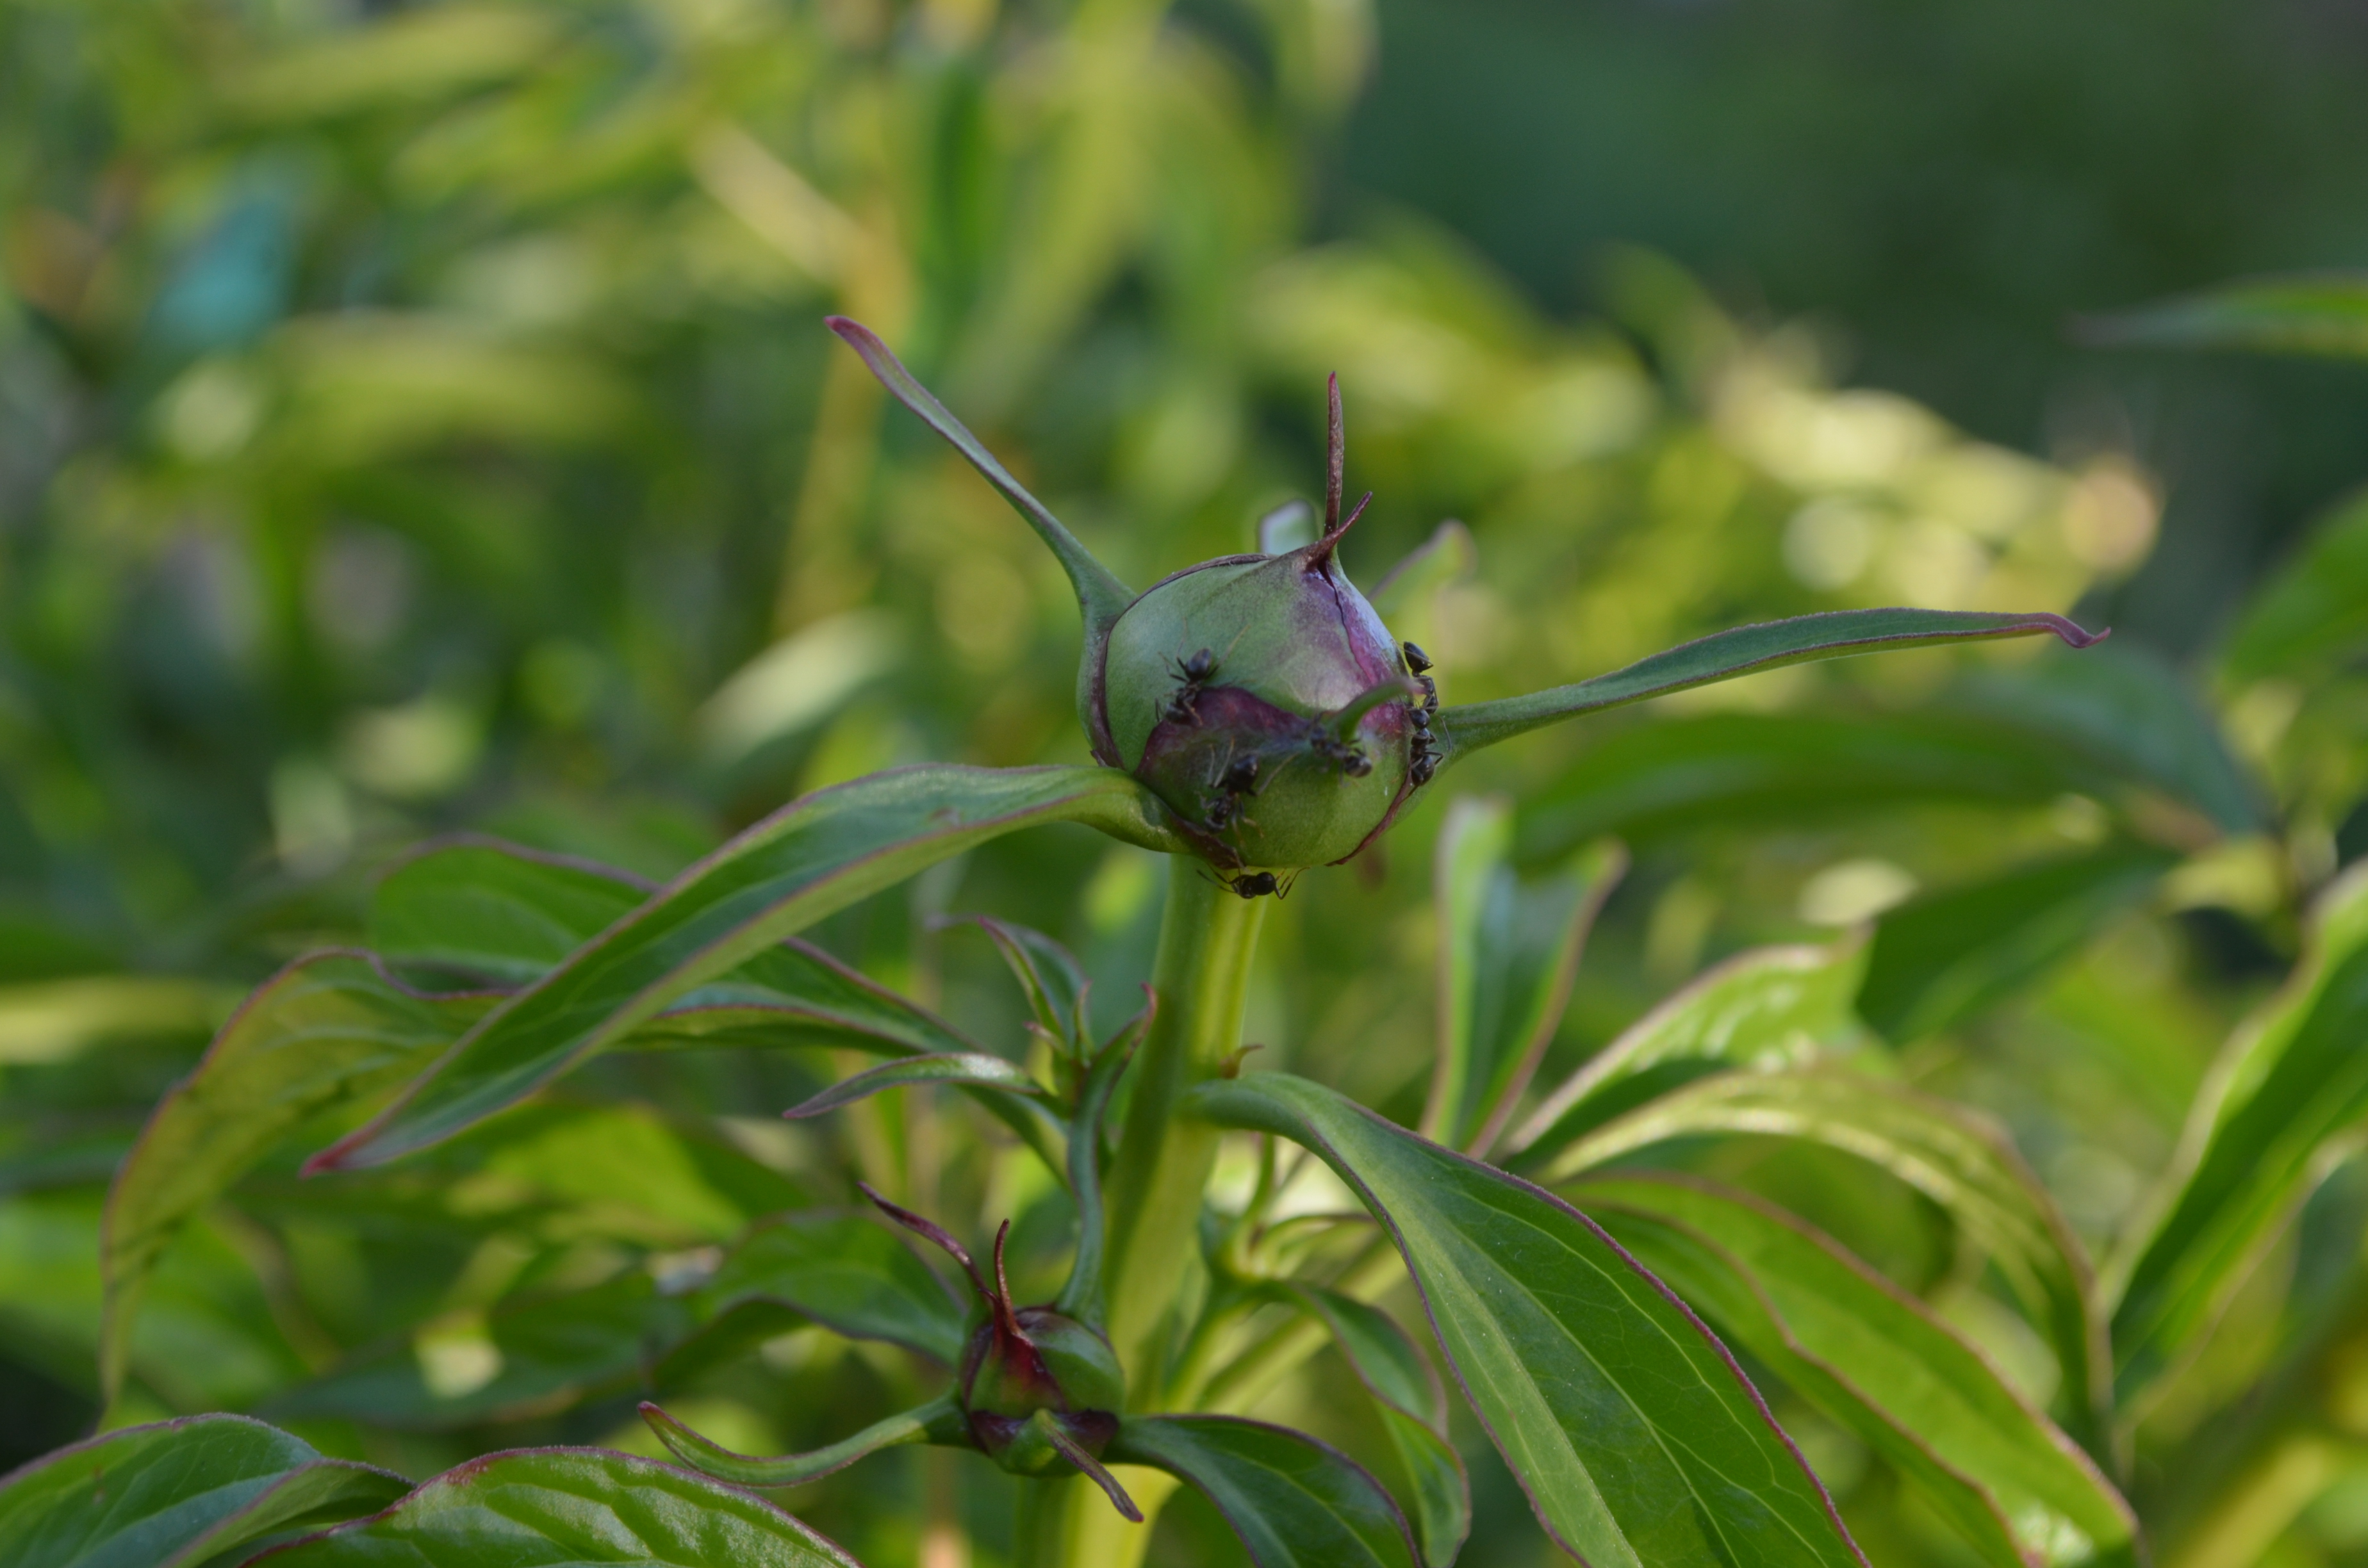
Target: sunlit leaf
(1507,955)
(1723,655)
(57,1020)
(2314,610)
(2325,313)
(2294,1078)
(576,1507)
(1636,1436)
(1875,1360)
(176,1493)
(1948,955)
(326,1031)
(1294,1501)
(1955,1156)
(1763,1008)
(812,858)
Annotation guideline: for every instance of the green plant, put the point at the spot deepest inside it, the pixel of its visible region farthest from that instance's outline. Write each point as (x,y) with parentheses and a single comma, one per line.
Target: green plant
(1242,735)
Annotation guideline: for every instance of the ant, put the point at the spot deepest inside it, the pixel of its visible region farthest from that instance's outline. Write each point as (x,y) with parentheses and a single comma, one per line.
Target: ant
(1350,760)
(1258,884)
(1194,673)
(1238,781)
(1425,754)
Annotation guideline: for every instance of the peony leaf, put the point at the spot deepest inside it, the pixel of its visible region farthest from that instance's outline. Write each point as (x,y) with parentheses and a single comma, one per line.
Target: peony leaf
(1744,651)
(1294,1501)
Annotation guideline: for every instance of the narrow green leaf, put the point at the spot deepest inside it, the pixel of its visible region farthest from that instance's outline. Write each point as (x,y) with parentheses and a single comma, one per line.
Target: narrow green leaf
(1507,952)
(1875,1360)
(941,1422)
(2322,313)
(1746,648)
(1049,974)
(1639,1441)
(968,1067)
(2291,1080)
(327,1030)
(1294,1501)
(1960,1160)
(1081,1296)
(1949,956)
(1100,597)
(1413,1411)
(176,1493)
(811,858)
(575,1507)
(1765,1008)
(2314,610)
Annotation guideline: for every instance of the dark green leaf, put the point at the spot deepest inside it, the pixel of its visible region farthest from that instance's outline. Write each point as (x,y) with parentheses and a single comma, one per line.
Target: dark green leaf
(941,1422)
(810,859)
(1721,769)
(570,1508)
(326,1031)
(1947,957)
(1875,1360)
(2314,610)
(1768,1007)
(2290,1081)
(544,1353)
(2324,314)
(1726,654)
(551,1351)
(2130,714)
(1638,1438)
(1081,1296)
(1295,1502)
(498,912)
(1507,955)
(970,1067)
(176,1493)
(846,1270)
(1413,1411)
(1959,1159)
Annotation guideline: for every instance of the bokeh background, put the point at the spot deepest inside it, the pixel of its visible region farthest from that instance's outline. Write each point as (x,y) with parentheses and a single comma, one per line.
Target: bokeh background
(418,417)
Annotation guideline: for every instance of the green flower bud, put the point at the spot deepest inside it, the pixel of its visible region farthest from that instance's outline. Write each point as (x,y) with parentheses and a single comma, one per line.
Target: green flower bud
(1264,702)
(1041,1391)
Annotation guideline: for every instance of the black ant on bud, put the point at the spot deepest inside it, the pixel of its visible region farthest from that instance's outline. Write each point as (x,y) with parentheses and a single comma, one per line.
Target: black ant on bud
(1238,781)
(1258,884)
(1194,673)
(1350,760)
(1425,761)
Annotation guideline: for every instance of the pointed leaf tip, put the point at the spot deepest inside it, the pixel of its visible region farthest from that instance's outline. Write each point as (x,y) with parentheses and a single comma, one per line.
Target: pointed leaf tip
(1102,597)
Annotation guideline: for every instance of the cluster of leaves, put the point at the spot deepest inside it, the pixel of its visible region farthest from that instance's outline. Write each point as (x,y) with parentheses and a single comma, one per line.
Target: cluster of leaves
(551,213)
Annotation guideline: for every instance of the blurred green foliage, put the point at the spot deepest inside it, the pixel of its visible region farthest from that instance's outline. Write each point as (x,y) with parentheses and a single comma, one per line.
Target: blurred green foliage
(418,418)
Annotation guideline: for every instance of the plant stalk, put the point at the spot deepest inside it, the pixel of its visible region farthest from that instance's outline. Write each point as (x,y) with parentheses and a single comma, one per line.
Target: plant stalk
(1207,939)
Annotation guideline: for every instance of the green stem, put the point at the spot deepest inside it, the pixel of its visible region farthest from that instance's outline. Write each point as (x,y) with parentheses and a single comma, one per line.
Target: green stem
(1206,941)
